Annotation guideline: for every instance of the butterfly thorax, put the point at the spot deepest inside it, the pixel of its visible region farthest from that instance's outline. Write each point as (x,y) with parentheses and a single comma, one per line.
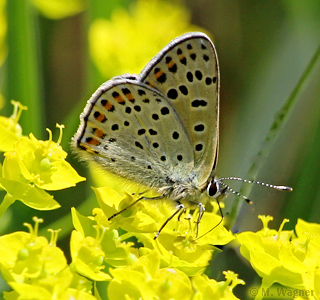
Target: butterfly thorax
(186,191)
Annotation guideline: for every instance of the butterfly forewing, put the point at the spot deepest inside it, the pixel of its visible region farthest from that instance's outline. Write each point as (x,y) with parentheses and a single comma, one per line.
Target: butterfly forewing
(133,131)
(186,72)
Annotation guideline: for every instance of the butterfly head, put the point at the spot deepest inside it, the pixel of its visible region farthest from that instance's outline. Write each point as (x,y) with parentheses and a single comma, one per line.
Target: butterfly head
(216,189)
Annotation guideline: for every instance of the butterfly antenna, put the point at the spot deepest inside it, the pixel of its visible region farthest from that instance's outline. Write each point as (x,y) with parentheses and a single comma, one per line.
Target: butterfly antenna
(235,192)
(277,187)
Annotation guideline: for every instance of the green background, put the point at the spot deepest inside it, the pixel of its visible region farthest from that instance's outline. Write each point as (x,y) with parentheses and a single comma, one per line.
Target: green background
(263,49)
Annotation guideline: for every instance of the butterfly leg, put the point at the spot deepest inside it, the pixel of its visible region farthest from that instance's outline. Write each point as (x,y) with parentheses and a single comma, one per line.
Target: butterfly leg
(181,213)
(141,193)
(132,204)
(201,212)
(221,214)
(180,208)
(122,210)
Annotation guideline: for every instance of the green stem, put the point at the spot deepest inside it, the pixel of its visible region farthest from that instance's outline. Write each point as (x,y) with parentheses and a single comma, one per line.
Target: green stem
(7,201)
(23,80)
(278,122)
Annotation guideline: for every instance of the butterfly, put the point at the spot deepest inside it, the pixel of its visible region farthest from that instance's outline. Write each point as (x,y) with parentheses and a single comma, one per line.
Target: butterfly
(161,128)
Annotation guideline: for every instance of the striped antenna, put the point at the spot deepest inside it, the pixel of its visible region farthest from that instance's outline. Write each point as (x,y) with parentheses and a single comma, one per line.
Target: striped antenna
(277,187)
(235,192)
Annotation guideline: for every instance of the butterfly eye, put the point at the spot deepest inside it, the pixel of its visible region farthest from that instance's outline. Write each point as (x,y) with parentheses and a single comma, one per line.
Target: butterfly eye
(213,188)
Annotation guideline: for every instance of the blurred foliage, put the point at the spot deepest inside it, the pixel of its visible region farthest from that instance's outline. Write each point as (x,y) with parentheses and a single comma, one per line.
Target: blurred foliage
(58,9)
(47,62)
(112,40)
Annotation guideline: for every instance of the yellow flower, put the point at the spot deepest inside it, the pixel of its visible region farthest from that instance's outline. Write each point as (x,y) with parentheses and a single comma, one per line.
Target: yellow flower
(26,255)
(281,256)
(87,256)
(35,166)
(10,130)
(177,243)
(43,163)
(58,9)
(131,38)
(144,279)
(109,246)
(36,269)
(58,286)
(206,288)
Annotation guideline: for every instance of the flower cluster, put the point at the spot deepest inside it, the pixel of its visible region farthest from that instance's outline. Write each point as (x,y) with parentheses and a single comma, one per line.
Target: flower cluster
(36,269)
(286,257)
(168,268)
(34,266)
(109,39)
(32,166)
(120,258)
